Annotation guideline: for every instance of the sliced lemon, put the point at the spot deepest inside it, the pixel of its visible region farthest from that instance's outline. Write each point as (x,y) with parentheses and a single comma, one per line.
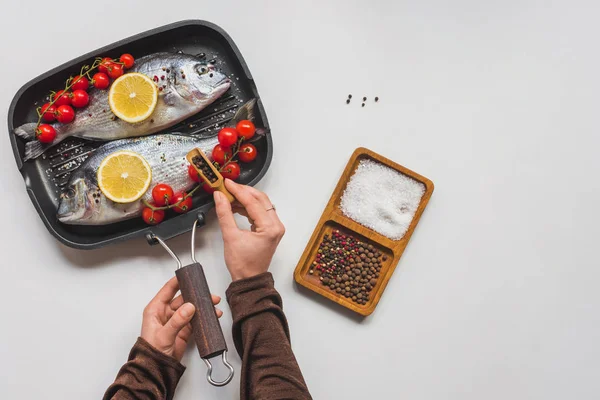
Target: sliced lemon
(124,176)
(133,97)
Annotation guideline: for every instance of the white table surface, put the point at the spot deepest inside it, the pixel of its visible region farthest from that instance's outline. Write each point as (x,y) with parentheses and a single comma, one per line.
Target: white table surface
(496,296)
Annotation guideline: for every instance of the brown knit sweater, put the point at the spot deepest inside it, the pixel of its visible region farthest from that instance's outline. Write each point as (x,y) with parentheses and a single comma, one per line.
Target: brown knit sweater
(261,337)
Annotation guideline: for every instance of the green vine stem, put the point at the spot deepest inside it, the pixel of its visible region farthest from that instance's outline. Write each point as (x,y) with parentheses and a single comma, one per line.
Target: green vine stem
(154,208)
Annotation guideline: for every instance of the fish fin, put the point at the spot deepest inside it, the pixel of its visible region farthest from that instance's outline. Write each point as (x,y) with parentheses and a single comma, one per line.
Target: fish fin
(244,112)
(26,131)
(34,149)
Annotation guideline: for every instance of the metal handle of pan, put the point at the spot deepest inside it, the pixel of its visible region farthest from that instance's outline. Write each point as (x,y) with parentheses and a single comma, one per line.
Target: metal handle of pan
(207,331)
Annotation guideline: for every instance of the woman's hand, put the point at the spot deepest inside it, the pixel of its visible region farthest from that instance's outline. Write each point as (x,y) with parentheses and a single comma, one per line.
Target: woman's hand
(248,253)
(166,321)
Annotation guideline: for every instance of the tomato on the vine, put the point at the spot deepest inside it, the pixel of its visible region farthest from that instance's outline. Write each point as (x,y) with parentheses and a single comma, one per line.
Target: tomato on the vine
(194,174)
(80,83)
(220,153)
(162,194)
(127,60)
(153,217)
(246,129)
(228,137)
(45,133)
(247,152)
(185,204)
(79,98)
(100,80)
(115,71)
(105,64)
(65,114)
(231,171)
(62,98)
(207,188)
(48,112)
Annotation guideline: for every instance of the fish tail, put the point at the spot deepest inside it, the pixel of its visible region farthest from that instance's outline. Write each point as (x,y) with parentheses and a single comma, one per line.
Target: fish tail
(244,112)
(26,131)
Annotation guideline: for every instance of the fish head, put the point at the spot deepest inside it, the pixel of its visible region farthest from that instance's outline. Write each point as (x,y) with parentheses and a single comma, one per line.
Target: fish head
(77,204)
(202,82)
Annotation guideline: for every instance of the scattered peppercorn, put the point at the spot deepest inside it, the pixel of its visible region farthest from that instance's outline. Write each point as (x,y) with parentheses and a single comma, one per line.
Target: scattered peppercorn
(363,104)
(349,96)
(339,266)
(348,101)
(364,99)
(376,99)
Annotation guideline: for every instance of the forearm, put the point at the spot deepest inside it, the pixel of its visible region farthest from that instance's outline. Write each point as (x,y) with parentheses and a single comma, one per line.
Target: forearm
(261,337)
(148,374)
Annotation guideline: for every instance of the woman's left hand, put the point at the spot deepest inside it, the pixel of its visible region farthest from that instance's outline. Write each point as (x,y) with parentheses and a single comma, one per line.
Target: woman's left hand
(166,320)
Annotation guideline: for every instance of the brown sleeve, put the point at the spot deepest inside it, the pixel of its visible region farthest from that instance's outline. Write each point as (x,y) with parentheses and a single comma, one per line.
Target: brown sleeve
(147,375)
(262,339)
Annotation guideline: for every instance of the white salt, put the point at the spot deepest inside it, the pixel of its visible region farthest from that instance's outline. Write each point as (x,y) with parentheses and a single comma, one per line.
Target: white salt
(382,199)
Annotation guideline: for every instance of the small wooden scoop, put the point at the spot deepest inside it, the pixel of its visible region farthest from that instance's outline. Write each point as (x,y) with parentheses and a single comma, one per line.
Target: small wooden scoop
(214,179)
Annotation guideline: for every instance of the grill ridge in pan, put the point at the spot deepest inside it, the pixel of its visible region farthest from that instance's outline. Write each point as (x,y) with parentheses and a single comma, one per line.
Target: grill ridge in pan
(46,176)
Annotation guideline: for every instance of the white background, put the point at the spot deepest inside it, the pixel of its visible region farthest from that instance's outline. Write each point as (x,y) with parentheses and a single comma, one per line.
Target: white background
(496,296)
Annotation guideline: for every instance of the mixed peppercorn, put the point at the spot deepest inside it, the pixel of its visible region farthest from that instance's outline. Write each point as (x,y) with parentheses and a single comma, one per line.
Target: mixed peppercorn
(203,166)
(348,266)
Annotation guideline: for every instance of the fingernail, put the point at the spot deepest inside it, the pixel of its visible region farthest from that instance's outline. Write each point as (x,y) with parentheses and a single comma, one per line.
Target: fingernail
(187,310)
(218,196)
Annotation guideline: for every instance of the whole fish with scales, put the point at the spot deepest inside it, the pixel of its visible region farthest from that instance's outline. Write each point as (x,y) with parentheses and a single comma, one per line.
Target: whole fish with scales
(186,84)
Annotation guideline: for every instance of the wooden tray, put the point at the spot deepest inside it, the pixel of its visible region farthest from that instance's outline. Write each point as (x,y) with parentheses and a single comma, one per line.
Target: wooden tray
(332,218)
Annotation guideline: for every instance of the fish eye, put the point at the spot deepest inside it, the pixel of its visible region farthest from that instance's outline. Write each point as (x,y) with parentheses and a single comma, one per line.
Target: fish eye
(70,193)
(202,69)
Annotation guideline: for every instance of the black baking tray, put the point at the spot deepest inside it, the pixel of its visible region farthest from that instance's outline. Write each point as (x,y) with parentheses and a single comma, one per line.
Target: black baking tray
(192,37)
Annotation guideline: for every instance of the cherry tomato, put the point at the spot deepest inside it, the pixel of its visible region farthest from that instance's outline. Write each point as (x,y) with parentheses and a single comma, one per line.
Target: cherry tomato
(79,98)
(194,174)
(207,188)
(48,112)
(231,171)
(219,154)
(80,83)
(100,80)
(65,114)
(127,60)
(162,194)
(104,64)
(184,206)
(153,217)
(115,71)
(247,152)
(62,98)
(45,133)
(228,137)
(246,129)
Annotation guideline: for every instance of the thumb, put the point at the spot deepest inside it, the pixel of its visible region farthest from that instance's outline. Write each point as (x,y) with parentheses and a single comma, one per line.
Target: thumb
(224,213)
(177,322)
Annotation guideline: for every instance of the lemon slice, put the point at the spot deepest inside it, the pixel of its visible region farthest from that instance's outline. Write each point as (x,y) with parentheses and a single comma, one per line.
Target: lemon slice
(133,97)
(124,176)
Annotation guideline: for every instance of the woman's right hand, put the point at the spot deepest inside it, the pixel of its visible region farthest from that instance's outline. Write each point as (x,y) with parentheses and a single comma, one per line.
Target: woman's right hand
(248,253)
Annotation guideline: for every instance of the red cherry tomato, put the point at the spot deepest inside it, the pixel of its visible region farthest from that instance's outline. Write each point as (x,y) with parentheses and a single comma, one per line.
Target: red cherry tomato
(228,137)
(100,80)
(162,194)
(80,83)
(45,133)
(219,154)
(62,98)
(104,64)
(127,60)
(246,129)
(231,171)
(207,188)
(247,152)
(79,98)
(115,71)
(48,112)
(184,204)
(65,114)
(153,217)
(194,174)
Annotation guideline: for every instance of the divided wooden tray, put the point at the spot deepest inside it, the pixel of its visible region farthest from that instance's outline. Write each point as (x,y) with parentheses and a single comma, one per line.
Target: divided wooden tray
(332,219)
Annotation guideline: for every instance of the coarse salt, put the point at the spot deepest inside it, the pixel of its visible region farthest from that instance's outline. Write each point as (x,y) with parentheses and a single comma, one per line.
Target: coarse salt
(382,199)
